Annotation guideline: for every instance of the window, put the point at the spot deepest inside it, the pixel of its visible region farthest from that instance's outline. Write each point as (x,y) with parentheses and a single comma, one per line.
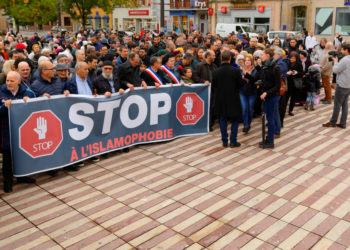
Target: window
(323,22)
(242,20)
(342,21)
(66,21)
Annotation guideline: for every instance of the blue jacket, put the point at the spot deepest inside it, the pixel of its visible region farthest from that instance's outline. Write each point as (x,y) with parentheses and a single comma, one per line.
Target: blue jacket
(71,85)
(5,95)
(41,86)
(283,64)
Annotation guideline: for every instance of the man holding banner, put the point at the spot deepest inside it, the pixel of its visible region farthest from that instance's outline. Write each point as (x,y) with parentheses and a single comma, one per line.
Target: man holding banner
(153,76)
(12,90)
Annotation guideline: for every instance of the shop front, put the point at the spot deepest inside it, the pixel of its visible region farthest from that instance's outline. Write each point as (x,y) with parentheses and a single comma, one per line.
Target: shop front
(133,19)
(259,17)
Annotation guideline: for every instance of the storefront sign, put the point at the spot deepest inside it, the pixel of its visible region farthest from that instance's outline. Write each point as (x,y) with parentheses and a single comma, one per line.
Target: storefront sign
(223,9)
(138,12)
(211,11)
(182,13)
(346,2)
(261,8)
(200,4)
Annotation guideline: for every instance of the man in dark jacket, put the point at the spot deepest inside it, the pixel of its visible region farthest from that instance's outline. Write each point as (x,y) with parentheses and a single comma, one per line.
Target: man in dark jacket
(227,81)
(107,82)
(12,90)
(129,73)
(47,84)
(204,74)
(153,75)
(80,82)
(270,75)
(156,46)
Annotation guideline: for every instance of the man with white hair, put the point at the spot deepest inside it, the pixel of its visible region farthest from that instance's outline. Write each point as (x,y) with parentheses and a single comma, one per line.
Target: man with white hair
(24,71)
(12,90)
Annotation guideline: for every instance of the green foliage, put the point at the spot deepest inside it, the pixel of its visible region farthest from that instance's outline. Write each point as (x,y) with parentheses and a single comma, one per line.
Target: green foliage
(80,9)
(30,11)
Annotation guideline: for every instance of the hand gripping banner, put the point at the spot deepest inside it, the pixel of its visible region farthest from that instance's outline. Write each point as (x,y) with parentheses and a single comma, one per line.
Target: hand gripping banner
(48,134)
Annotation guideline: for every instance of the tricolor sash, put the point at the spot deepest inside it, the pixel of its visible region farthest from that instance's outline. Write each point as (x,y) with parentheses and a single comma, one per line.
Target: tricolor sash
(154,75)
(171,74)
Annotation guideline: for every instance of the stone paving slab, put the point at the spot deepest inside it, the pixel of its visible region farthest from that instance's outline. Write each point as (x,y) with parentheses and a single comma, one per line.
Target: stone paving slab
(192,193)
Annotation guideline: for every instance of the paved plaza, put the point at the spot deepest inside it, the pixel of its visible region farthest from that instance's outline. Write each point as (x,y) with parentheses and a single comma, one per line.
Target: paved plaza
(191,193)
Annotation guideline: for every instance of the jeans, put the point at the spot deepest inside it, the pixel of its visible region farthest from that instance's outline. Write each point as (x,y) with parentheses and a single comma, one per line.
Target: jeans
(223,129)
(311,96)
(340,101)
(247,103)
(276,116)
(270,104)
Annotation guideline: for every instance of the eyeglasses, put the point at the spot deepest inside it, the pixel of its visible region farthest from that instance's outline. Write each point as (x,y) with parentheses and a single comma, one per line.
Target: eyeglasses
(107,68)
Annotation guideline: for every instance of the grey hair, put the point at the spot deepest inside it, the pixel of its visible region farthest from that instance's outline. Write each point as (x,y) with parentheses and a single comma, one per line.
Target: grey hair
(78,65)
(45,50)
(16,73)
(169,44)
(279,51)
(43,59)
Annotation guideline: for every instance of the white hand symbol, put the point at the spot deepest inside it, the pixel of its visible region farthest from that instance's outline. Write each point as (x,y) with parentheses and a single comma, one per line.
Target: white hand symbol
(189,104)
(41,127)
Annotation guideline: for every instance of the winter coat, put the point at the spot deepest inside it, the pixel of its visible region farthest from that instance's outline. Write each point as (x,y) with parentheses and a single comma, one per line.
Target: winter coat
(226,83)
(41,86)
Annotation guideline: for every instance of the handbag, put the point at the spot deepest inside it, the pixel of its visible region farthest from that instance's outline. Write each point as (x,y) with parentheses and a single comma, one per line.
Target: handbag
(298,83)
(283,88)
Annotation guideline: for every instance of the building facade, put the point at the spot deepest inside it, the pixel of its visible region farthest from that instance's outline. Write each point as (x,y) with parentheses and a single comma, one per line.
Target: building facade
(189,15)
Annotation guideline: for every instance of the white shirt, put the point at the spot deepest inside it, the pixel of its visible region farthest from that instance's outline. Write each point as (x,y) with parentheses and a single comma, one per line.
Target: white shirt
(310,42)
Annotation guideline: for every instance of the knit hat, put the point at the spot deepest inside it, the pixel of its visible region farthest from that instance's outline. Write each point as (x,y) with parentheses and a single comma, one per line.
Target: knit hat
(161,52)
(61,66)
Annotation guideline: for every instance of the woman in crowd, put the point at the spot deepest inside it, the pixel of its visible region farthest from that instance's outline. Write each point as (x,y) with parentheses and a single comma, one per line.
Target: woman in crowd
(294,79)
(248,92)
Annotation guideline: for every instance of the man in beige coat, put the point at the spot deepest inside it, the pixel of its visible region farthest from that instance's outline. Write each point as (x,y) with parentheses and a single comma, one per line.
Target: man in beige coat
(327,71)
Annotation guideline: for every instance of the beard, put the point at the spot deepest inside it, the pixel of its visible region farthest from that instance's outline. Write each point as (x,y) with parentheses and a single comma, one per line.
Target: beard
(108,77)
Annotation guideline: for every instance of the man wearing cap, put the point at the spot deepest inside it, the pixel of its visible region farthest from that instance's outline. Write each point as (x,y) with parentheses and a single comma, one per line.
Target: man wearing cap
(107,83)
(62,71)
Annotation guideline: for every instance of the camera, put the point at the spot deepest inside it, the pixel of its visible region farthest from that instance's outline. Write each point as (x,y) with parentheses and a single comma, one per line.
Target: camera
(333,54)
(258,83)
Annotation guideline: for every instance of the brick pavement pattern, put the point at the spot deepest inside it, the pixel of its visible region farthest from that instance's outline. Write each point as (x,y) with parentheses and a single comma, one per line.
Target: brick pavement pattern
(192,193)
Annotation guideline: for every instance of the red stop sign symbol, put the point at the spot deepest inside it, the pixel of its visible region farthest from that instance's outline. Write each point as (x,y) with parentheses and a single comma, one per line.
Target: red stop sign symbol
(40,134)
(189,108)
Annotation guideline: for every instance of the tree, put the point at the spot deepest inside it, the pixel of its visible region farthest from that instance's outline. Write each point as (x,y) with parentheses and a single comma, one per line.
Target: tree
(81,9)
(27,12)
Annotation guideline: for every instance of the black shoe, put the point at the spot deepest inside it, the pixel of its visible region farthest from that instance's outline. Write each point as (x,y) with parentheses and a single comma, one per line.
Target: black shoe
(312,106)
(53,173)
(105,156)
(326,102)
(267,144)
(235,145)
(291,113)
(73,168)
(26,180)
(126,150)
(225,145)
(8,186)
(211,129)
(80,164)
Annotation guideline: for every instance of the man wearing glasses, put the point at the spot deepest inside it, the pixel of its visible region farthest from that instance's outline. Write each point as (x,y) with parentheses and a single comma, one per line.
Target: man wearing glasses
(47,83)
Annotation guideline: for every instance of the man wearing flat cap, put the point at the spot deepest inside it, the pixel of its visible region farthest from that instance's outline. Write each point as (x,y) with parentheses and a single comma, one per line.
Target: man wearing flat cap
(62,72)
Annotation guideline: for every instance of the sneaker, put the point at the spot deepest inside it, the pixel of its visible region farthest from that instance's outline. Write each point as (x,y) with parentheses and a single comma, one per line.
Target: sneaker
(26,180)
(80,164)
(235,145)
(312,106)
(95,159)
(329,125)
(326,102)
(306,107)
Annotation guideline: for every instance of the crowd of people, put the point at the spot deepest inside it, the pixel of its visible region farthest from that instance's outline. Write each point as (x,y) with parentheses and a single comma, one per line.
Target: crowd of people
(247,76)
